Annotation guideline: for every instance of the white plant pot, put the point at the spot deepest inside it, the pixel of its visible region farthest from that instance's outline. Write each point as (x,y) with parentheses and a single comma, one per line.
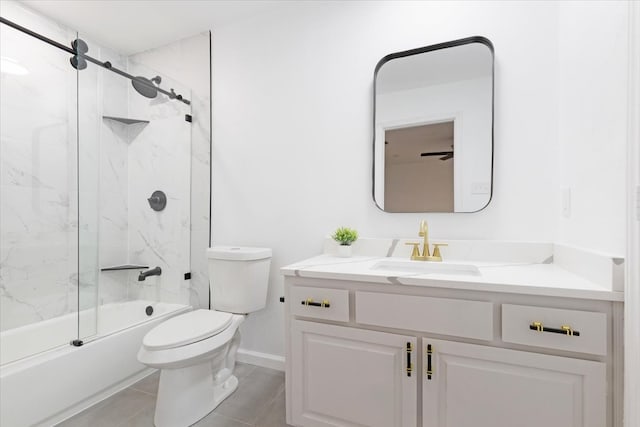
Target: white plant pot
(344,251)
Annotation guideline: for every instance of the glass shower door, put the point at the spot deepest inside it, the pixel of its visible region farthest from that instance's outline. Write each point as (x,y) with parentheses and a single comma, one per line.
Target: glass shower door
(38,183)
(88,191)
(85,152)
(143,187)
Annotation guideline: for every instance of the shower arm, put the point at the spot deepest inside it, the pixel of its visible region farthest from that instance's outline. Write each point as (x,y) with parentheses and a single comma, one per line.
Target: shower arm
(106,65)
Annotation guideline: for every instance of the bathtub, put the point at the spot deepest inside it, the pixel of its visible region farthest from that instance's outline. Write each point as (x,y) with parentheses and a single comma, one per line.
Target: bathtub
(49,387)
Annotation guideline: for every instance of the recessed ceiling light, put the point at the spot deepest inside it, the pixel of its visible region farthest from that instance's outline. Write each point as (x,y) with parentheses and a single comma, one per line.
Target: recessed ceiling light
(11,66)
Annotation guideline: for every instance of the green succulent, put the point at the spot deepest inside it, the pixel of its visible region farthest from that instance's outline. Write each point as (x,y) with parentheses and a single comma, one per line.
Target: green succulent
(345,236)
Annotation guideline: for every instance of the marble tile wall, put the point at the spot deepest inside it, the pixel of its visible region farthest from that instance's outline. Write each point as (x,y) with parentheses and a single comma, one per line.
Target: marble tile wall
(167,154)
(188,62)
(159,158)
(113,204)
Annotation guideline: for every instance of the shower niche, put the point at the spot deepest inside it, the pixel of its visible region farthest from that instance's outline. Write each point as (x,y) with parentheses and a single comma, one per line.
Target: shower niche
(126,121)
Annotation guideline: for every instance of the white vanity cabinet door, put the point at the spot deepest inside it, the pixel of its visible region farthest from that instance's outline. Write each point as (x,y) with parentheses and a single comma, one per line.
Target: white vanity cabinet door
(478,386)
(352,377)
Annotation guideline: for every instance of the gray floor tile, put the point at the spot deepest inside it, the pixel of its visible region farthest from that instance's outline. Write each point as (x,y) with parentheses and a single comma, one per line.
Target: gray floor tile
(148,384)
(241,370)
(141,419)
(274,415)
(259,400)
(215,420)
(80,419)
(255,393)
(113,411)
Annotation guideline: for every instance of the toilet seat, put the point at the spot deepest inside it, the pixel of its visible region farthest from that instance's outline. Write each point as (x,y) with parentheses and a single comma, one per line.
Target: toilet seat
(186,329)
(188,354)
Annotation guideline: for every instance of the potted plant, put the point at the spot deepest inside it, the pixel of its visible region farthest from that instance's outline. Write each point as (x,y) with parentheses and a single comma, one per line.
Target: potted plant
(345,237)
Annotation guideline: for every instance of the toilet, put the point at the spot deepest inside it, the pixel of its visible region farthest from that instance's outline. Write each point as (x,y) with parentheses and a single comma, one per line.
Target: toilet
(196,351)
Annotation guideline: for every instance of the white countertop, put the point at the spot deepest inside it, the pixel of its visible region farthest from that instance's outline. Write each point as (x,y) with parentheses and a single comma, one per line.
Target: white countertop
(518,278)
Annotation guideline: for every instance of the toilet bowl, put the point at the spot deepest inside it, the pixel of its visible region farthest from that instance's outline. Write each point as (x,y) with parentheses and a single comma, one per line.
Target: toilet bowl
(196,351)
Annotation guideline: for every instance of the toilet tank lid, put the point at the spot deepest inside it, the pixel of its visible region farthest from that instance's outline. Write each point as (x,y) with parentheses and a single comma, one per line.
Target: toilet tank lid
(238,253)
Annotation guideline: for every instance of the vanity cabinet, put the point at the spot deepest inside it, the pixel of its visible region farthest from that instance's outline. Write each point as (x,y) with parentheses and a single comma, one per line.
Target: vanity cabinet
(346,376)
(390,355)
(467,385)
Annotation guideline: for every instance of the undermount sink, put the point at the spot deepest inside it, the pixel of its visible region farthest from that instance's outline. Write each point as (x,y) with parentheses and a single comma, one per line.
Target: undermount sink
(426,267)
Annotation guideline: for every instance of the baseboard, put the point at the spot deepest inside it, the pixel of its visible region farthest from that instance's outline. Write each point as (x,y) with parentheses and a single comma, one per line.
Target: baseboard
(264,360)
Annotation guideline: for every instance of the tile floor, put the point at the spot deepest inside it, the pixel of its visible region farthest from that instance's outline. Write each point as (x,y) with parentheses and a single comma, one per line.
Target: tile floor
(258,401)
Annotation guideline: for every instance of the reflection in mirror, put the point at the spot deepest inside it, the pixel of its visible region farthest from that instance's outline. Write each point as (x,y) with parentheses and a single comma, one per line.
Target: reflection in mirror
(433,123)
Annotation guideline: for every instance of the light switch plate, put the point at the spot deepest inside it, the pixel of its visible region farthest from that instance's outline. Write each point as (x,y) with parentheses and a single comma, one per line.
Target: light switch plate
(480,188)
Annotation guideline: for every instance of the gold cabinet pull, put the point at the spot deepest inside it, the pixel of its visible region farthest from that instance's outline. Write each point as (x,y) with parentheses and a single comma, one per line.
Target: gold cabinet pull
(429,367)
(409,350)
(564,329)
(309,302)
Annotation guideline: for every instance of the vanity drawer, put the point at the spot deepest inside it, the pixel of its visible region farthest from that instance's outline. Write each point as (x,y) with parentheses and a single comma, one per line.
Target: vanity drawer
(590,328)
(459,318)
(320,303)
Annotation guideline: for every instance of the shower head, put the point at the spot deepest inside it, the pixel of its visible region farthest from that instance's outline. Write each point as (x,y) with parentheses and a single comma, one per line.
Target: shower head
(145,87)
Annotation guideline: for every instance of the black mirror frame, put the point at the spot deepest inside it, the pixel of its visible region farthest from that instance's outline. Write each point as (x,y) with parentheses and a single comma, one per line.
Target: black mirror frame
(459,42)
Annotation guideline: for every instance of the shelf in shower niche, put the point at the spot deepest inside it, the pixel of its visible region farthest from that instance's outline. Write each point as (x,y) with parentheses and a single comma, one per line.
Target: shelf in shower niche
(125,120)
(125,267)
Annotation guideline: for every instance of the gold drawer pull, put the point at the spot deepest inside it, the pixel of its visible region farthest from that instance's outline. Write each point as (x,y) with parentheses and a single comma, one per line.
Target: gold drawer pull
(429,367)
(309,302)
(409,367)
(564,329)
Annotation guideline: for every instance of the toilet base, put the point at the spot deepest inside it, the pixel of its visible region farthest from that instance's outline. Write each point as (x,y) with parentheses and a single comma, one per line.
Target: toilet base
(188,394)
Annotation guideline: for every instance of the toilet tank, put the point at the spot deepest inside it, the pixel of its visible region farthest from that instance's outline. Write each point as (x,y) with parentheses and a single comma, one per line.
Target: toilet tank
(238,278)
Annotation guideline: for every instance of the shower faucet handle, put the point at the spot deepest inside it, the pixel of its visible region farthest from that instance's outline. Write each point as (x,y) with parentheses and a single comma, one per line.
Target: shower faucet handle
(157,201)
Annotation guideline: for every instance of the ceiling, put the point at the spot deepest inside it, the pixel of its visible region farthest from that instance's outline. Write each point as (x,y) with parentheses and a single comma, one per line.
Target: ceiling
(131,26)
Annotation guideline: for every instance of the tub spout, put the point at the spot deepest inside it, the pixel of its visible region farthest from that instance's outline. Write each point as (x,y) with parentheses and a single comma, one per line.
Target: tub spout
(153,272)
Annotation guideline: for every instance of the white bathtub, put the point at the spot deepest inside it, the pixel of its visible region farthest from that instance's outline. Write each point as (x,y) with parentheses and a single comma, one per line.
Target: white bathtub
(51,386)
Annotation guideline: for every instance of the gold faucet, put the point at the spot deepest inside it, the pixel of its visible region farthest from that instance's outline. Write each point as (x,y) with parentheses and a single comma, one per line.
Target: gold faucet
(424,233)
(426,255)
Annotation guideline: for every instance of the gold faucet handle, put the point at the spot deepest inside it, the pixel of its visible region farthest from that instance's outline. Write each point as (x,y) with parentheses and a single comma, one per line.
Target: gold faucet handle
(436,250)
(415,253)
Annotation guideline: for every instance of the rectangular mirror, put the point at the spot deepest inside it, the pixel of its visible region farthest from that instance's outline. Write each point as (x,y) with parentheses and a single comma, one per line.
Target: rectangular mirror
(433,128)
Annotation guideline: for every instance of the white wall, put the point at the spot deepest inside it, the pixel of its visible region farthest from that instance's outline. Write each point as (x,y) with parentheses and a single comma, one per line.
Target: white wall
(592,123)
(292,127)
